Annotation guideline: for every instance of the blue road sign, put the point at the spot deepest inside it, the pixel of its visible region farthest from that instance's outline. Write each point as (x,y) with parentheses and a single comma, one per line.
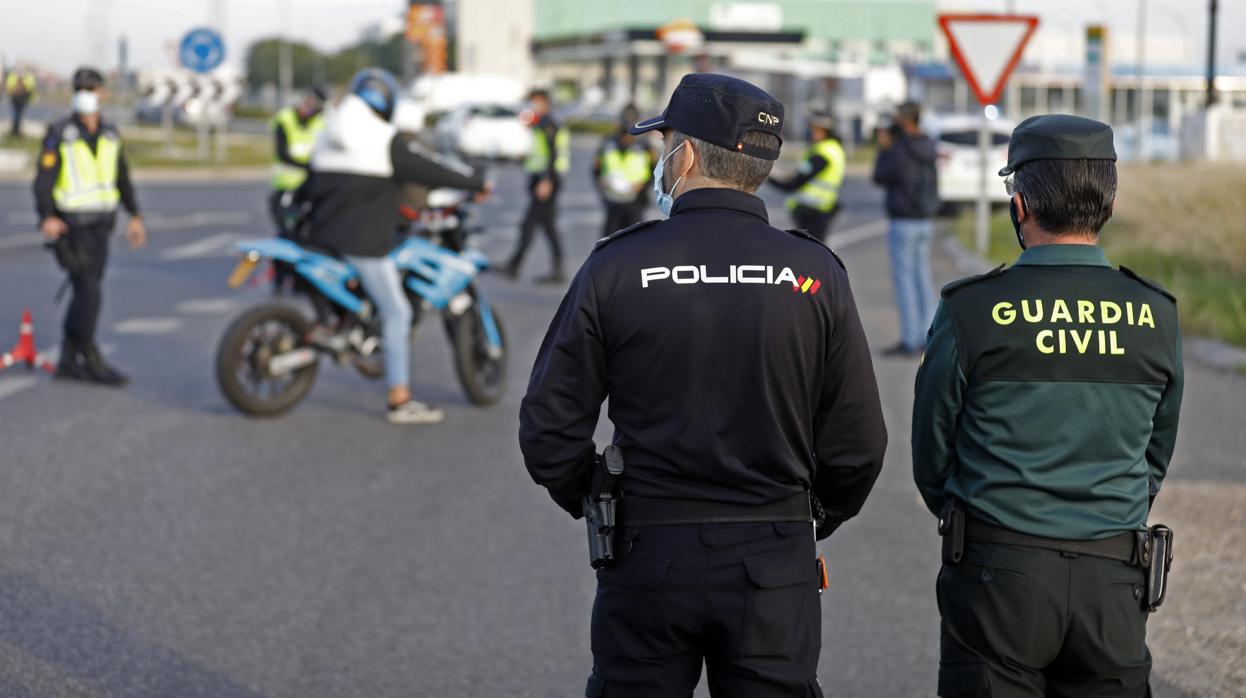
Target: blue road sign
(201,50)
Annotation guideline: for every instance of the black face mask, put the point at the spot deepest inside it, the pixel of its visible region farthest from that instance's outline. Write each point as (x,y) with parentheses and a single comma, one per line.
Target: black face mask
(1016,222)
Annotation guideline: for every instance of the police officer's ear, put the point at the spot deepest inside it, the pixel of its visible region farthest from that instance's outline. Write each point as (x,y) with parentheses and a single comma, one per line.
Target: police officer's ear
(686,160)
(1018,205)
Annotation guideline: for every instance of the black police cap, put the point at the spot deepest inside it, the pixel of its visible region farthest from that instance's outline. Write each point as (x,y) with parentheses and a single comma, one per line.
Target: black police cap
(720,109)
(87,79)
(1058,137)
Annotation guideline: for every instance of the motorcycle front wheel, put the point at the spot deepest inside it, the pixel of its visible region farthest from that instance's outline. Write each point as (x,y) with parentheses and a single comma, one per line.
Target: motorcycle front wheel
(482,375)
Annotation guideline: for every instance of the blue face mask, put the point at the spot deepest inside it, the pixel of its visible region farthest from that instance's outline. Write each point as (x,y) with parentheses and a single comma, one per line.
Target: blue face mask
(665,200)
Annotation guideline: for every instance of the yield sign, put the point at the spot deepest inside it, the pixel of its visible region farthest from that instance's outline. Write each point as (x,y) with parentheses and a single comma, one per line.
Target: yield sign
(987,48)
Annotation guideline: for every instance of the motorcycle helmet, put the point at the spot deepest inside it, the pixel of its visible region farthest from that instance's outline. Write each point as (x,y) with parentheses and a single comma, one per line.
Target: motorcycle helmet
(378,88)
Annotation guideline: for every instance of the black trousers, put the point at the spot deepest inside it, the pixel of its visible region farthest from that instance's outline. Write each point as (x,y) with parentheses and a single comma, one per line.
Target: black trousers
(91,243)
(742,599)
(816,223)
(620,216)
(540,213)
(18,103)
(1021,621)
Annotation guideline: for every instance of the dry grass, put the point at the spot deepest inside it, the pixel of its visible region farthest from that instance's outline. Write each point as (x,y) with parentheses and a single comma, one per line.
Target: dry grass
(1197,211)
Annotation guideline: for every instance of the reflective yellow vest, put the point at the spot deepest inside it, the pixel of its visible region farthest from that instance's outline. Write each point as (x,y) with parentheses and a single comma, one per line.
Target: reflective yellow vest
(632,165)
(538,158)
(88,181)
(299,140)
(27,78)
(821,192)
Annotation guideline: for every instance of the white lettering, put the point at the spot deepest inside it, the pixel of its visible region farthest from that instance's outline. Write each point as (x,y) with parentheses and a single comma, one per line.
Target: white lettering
(706,278)
(653,274)
(750,268)
(693,272)
(785,275)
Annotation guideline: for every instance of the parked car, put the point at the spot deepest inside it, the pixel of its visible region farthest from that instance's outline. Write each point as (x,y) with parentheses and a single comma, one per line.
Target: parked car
(960,165)
(492,131)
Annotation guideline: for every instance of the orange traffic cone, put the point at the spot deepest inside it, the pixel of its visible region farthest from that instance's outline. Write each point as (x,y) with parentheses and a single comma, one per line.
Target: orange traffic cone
(24,350)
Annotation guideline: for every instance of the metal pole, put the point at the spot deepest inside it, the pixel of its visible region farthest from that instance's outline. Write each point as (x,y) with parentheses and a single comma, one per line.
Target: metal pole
(983,210)
(285,62)
(1211,53)
(1144,96)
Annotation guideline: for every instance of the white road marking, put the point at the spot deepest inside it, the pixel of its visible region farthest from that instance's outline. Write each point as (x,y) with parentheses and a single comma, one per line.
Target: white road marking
(147,325)
(205,306)
(12,385)
(202,247)
(155,223)
(22,240)
(199,219)
(858,233)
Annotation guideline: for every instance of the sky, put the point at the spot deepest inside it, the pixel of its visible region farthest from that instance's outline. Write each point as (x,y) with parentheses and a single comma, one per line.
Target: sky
(62,34)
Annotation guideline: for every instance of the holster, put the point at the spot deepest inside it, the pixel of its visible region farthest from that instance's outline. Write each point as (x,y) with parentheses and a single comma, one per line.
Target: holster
(600,507)
(952,528)
(1155,558)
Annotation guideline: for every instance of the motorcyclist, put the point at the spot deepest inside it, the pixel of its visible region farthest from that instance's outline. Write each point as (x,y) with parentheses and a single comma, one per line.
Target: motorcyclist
(359,166)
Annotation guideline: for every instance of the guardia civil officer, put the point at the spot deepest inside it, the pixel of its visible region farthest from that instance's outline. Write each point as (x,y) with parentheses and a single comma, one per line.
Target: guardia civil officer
(1046,413)
(622,171)
(81,179)
(740,384)
(295,129)
(815,186)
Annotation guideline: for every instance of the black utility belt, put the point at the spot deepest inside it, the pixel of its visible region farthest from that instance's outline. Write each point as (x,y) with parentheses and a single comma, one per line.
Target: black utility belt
(643,511)
(1123,546)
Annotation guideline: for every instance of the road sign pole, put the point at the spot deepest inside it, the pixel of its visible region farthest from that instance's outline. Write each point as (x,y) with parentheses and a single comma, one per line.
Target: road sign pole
(982,218)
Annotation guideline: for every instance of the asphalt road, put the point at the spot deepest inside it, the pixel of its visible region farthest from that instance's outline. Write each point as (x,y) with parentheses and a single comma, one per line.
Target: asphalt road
(153,542)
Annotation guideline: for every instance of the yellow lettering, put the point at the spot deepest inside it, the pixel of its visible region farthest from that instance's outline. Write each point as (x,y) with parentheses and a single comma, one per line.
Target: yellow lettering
(1103,342)
(1045,348)
(1116,348)
(1064,349)
(1085,312)
(1060,309)
(1144,316)
(1081,341)
(1038,311)
(1129,312)
(1109,312)
(1003,313)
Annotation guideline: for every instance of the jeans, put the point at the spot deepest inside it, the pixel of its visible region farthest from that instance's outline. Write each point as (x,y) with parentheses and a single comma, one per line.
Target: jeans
(908,242)
(383,284)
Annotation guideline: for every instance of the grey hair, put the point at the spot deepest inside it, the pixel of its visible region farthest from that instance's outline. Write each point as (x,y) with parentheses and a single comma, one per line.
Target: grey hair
(736,170)
(1068,196)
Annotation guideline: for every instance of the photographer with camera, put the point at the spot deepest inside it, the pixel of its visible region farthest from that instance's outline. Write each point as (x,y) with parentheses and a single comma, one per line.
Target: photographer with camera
(906,169)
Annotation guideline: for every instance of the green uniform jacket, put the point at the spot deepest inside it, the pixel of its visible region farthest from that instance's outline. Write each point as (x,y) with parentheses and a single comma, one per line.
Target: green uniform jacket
(1049,395)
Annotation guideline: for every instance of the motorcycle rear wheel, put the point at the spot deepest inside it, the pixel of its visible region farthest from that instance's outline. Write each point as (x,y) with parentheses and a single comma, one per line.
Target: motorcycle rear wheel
(242,358)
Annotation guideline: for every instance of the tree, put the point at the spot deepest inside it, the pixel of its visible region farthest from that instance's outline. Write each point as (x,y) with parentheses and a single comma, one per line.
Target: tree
(264,63)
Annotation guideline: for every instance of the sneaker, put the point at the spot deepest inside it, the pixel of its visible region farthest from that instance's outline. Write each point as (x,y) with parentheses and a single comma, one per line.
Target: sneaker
(413,412)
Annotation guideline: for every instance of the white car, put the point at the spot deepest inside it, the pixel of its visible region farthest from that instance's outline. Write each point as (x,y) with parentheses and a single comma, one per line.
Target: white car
(960,165)
(493,131)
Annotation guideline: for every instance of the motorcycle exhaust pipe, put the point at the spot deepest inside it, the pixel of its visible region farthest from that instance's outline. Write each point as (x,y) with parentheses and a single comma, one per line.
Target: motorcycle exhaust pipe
(289,361)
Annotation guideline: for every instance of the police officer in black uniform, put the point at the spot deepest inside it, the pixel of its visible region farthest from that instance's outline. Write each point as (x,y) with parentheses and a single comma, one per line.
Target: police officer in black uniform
(82,178)
(1045,417)
(740,384)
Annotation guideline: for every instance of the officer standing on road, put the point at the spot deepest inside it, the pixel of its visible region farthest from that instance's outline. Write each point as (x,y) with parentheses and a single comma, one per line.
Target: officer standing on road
(815,200)
(1046,413)
(82,176)
(622,171)
(294,134)
(548,161)
(20,86)
(743,396)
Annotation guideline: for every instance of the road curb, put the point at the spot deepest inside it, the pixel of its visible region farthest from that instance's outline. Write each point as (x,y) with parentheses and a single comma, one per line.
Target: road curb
(1209,352)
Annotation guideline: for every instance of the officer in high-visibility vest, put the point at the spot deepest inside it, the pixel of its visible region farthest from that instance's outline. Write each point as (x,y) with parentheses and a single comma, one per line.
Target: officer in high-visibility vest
(622,171)
(548,161)
(294,133)
(81,179)
(19,85)
(815,198)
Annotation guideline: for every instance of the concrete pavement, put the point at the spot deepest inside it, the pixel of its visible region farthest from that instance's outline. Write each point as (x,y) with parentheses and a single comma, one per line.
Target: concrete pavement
(156,543)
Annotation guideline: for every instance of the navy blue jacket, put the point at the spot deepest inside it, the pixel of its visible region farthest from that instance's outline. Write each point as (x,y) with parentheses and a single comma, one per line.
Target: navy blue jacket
(907,170)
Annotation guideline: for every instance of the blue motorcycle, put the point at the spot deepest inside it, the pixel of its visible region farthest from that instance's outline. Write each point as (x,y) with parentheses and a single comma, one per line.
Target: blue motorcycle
(268,358)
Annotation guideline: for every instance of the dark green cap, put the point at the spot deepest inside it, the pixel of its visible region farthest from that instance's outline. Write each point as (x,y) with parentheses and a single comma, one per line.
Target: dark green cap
(1058,137)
